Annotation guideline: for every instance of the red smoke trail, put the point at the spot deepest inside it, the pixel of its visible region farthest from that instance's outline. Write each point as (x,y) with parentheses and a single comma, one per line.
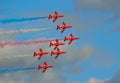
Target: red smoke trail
(2,45)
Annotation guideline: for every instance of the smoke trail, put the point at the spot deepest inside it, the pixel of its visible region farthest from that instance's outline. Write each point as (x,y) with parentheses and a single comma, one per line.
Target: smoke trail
(13,57)
(21,19)
(21,31)
(2,45)
(15,69)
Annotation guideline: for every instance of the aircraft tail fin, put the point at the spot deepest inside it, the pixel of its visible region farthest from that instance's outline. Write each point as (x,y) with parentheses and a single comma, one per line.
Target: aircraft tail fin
(50,16)
(50,44)
(58,27)
(35,54)
(52,53)
(65,39)
(39,67)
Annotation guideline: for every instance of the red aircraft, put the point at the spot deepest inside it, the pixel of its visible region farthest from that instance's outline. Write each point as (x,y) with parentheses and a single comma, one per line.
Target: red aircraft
(55,16)
(63,27)
(58,52)
(56,44)
(44,67)
(40,53)
(71,38)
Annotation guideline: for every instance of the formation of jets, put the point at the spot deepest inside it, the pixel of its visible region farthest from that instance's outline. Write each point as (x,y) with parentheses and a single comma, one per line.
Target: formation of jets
(56,44)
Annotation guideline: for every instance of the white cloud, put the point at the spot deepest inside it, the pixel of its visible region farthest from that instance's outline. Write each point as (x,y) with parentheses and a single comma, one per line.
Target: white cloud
(93,80)
(74,55)
(99,5)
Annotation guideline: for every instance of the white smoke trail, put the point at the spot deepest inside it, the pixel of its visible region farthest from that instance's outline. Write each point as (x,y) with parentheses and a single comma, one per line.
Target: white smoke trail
(22,31)
(16,56)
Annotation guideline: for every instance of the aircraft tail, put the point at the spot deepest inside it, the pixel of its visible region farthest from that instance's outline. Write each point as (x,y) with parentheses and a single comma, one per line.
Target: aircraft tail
(39,67)
(50,16)
(65,39)
(35,54)
(52,53)
(50,44)
(58,27)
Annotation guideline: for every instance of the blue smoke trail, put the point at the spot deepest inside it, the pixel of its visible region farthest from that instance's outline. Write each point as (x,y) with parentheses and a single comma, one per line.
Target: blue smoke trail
(21,19)
(15,69)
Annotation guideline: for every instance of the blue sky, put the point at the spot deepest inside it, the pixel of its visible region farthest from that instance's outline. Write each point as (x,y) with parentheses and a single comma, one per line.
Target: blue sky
(95,32)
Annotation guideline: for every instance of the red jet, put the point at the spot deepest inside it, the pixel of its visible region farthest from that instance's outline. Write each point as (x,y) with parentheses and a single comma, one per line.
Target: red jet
(40,53)
(71,38)
(55,16)
(63,27)
(56,44)
(44,67)
(58,52)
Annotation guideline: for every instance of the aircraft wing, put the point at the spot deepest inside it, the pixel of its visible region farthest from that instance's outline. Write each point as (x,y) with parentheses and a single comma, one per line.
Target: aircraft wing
(55,47)
(54,19)
(64,23)
(70,42)
(40,50)
(45,63)
(62,30)
(57,40)
(39,57)
(71,35)
(56,56)
(44,70)
(58,49)
(56,13)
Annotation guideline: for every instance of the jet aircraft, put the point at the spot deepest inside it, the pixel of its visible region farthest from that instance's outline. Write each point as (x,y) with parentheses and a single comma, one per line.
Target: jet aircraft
(55,16)
(44,67)
(40,53)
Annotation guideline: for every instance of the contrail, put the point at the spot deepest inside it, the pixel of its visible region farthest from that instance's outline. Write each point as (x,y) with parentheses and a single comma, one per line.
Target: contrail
(21,19)
(2,45)
(22,31)
(16,69)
